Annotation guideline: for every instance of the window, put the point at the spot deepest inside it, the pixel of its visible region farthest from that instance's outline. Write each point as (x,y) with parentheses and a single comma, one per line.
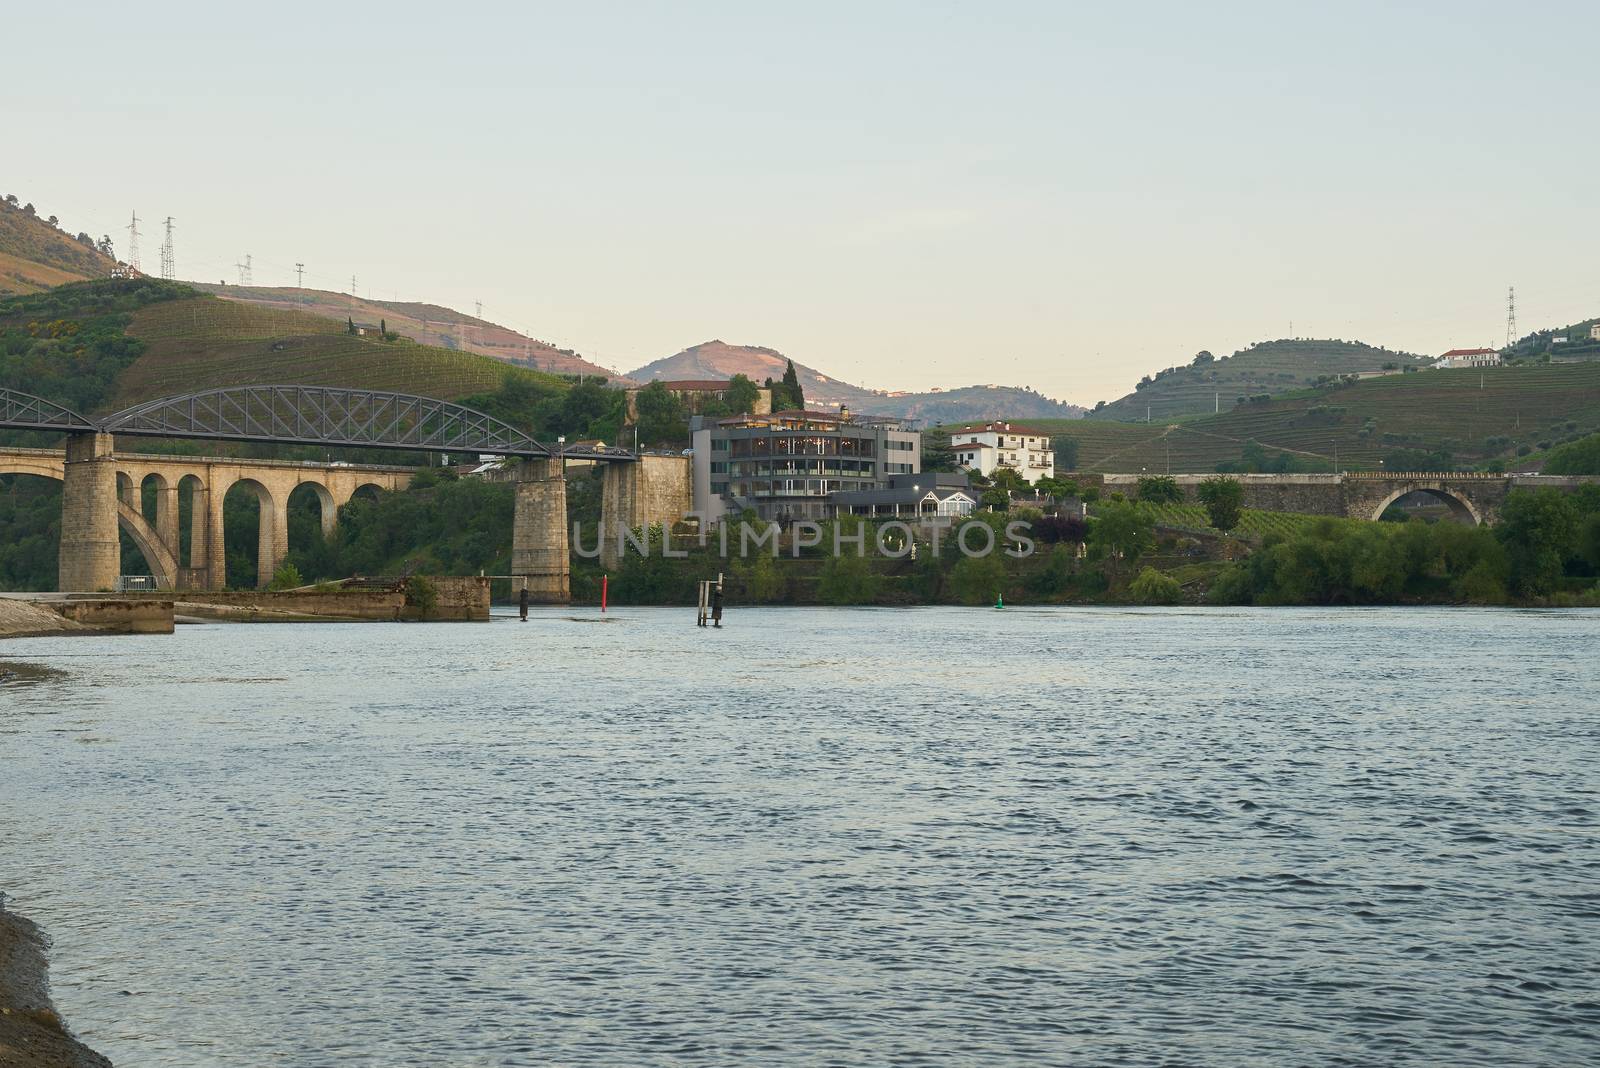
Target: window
(719,467)
(719,488)
(897,469)
(719,444)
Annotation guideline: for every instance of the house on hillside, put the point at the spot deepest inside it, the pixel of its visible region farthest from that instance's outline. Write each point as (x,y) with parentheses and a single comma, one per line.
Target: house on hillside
(695,392)
(984,447)
(1594,332)
(1468,358)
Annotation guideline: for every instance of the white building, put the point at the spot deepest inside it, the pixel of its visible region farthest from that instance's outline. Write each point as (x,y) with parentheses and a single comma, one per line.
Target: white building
(985,447)
(1468,358)
(1594,331)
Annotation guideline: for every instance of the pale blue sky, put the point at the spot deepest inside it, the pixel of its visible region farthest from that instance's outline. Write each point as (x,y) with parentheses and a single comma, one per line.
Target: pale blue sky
(901,194)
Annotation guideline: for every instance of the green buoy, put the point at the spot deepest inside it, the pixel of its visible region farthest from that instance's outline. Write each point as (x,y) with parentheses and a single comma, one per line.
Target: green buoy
(999,601)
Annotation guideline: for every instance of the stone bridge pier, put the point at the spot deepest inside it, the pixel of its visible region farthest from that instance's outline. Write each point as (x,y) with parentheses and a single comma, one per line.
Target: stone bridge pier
(642,493)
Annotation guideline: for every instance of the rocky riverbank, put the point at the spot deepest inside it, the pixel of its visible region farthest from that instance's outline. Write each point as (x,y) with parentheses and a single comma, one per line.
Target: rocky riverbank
(19,619)
(31,1034)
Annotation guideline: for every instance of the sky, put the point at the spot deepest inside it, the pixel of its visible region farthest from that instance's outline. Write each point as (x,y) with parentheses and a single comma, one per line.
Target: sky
(903,195)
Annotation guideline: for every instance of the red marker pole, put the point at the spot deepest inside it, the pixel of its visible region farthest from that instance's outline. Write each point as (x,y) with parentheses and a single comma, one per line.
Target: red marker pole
(605,581)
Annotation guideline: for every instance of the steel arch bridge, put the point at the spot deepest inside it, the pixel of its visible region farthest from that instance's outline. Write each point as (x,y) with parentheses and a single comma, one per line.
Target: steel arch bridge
(302,415)
(24,411)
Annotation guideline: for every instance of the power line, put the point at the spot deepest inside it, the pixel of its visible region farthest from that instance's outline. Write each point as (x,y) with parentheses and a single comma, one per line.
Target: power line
(1511,315)
(169,269)
(299,276)
(245,278)
(133,242)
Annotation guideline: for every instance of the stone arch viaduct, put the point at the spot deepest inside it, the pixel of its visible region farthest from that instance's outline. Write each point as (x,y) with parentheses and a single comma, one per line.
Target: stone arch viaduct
(1471,497)
(104,488)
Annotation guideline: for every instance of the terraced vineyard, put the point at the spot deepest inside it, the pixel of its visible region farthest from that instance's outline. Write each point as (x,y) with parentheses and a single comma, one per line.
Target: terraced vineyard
(1271,367)
(1258,523)
(203,343)
(1475,415)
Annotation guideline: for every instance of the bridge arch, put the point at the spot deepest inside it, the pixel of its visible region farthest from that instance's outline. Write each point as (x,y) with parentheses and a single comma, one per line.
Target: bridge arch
(327,510)
(163,565)
(1459,506)
(272,529)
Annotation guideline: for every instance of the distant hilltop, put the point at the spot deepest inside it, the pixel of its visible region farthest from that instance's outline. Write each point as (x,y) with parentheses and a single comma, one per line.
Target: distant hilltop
(1206,385)
(717,359)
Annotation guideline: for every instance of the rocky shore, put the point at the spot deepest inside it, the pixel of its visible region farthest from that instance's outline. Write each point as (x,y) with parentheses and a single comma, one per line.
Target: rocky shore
(19,619)
(31,1034)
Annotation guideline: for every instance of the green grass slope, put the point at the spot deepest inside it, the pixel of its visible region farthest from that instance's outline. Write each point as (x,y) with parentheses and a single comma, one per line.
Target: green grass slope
(1268,367)
(203,343)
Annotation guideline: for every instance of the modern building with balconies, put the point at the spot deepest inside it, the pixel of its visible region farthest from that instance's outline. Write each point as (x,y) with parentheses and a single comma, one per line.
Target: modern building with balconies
(784,466)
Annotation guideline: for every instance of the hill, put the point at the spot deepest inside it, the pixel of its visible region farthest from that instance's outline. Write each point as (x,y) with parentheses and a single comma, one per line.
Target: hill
(201,342)
(1465,418)
(718,360)
(102,345)
(426,324)
(969,404)
(1574,342)
(1205,385)
(36,254)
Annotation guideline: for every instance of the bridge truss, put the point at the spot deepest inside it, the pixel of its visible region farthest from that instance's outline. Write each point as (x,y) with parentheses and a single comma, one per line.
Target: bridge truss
(24,411)
(304,415)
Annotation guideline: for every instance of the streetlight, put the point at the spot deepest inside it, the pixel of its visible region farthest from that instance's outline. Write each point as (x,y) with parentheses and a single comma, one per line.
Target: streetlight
(561,443)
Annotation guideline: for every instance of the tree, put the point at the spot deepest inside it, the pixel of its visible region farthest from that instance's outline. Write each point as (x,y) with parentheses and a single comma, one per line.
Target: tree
(795,397)
(1224,500)
(995,498)
(1119,531)
(1540,532)
(1160,489)
(937,455)
(53,221)
(1581,457)
(11,198)
(1066,449)
(105,246)
(1007,478)
(349,325)
(742,395)
(27,209)
(661,416)
(847,579)
(1201,358)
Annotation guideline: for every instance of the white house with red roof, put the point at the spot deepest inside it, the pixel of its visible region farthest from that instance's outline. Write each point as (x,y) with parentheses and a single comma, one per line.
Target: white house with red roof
(985,447)
(1468,358)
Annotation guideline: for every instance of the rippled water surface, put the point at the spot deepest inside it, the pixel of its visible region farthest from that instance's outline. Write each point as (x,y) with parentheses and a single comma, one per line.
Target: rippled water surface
(819,837)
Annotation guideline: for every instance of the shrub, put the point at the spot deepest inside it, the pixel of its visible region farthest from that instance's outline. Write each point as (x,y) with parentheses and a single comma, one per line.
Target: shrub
(1152,587)
(287,577)
(1160,489)
(422,595)
(978,579)
(847,579)
(1223,498)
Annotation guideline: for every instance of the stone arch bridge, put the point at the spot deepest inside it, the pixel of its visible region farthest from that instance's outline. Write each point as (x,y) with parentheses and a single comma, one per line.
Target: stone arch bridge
(1471,497)
(104,488)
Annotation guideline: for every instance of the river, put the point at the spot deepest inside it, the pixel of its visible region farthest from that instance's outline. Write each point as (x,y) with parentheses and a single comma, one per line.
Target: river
(819,837)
